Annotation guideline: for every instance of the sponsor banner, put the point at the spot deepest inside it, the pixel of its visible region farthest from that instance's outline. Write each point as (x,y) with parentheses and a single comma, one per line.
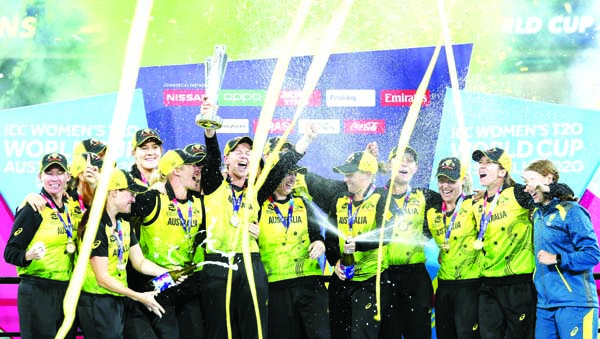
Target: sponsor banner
(346,109)
(528,131)
(364,126)
(291,98)
(402,97)
(350,98)
(30,132)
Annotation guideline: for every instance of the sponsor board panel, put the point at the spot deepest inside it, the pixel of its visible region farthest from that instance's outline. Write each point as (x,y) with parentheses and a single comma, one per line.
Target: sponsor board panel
(360,97)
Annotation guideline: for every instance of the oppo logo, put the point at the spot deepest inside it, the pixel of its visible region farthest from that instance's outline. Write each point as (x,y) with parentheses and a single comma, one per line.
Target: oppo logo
(242,98)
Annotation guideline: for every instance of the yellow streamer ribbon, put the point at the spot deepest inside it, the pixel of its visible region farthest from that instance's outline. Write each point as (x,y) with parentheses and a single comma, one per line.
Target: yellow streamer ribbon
(129,73)
(266,115)
(405,133)
(464,155)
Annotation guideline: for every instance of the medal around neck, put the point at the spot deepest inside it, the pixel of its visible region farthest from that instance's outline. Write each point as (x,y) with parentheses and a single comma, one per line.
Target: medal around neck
(477,244)
(234,220)
(71,246)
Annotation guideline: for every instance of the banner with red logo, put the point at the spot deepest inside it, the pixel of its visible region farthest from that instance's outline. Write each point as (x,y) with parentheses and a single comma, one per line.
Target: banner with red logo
(360,97)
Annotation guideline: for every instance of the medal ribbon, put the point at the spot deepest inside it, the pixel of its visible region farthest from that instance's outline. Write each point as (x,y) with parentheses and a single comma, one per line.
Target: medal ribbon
(485,218)
(453,219)
(68,225)
(81,205)
(237,201)
(285,223)
(187,226)
(118,233)
(395,207)
(143,179)
(351,216)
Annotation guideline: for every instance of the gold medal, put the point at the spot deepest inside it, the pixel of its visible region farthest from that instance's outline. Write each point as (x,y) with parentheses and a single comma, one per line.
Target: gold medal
(121,266)
(235,221)
(445,246)
(71,246)
(477,244)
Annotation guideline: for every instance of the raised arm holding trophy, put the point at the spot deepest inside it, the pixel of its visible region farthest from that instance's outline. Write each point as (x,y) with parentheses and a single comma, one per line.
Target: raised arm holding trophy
(214,72)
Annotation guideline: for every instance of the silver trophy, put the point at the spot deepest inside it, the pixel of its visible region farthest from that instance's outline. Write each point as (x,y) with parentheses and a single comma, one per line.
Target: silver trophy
(213,78)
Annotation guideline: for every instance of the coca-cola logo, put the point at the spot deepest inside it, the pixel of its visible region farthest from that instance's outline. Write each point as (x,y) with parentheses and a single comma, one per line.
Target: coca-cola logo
(364,126)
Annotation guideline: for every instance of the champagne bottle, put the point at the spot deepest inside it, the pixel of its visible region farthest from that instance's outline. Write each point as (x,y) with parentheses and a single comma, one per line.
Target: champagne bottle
(168,279)
(347,264)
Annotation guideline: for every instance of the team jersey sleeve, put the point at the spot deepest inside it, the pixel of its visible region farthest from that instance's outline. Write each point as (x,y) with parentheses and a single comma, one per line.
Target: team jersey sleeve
(586,253)
(432,199)
(133,240)
(332,245)
(323,190)
(144,203)
(211,172)
(26,224)
(100,246)
(314,229)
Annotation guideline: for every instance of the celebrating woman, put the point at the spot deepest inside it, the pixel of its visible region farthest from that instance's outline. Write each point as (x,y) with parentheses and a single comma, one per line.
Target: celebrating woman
(566,250)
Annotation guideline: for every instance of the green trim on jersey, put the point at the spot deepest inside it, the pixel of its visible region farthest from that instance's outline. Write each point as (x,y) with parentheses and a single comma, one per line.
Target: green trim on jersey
(284,253)
(164,241)
(460,261)
(56,263)
(106,241)
(408,241)
(221,235)
(508,240)
(365,221)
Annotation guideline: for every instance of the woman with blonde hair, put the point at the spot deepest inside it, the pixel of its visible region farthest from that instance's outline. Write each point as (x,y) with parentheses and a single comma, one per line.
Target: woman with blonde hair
(42,246)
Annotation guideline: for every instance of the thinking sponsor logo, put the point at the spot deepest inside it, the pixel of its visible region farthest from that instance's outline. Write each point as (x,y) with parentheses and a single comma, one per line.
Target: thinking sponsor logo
(182,97)
(403,97)
(350,98)
(364,126)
